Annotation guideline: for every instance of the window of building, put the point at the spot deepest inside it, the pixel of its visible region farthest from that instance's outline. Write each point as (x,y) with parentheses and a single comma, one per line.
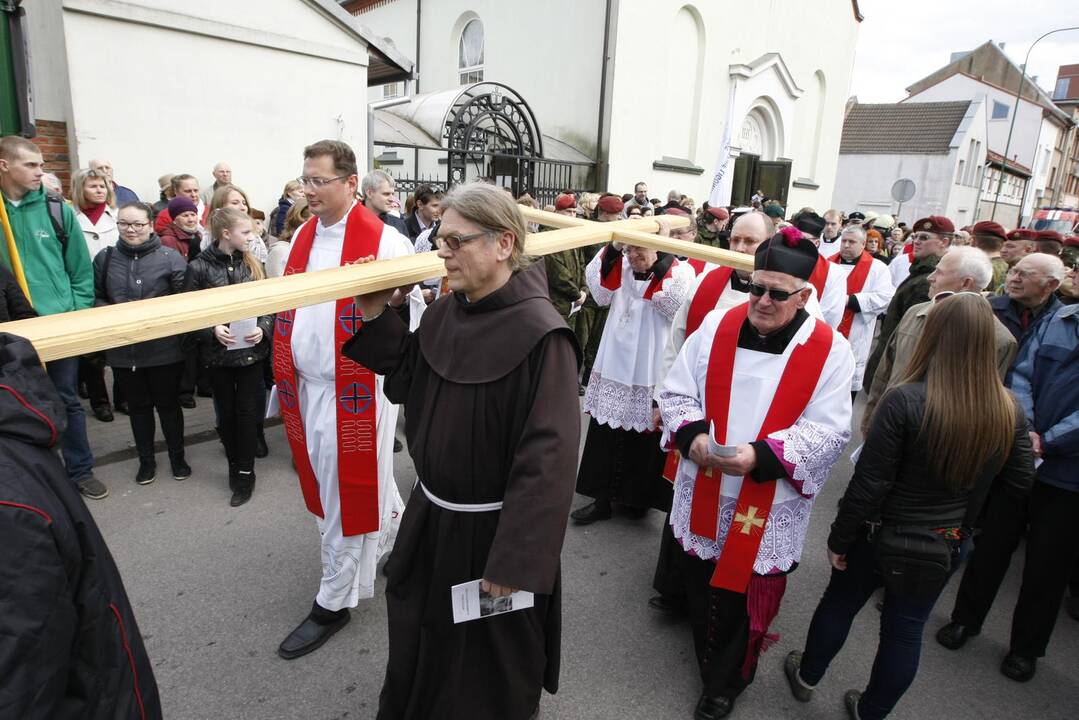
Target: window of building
(1061,91)
(959,176)
(470,53)
(392,90)
(1000,111)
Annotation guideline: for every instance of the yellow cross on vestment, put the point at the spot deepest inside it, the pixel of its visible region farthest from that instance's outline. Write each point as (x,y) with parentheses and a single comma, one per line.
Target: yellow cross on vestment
(749,520)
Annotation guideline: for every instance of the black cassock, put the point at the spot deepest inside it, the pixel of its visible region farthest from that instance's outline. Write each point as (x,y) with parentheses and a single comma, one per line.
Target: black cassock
(491,414)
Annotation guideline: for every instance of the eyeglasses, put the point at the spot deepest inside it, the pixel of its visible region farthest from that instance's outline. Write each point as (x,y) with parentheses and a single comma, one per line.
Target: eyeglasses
(773,293)
(134,226)
(453,241)
(922,236)
(1022,274)
(317,182)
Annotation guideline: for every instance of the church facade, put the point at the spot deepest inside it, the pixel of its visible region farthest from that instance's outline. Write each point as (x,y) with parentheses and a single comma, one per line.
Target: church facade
(627,90)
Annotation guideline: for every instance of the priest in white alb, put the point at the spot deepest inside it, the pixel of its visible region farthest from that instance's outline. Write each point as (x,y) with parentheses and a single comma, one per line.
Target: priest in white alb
(772,384)
(826,279)
(622,461)
(339,425)
(869,290)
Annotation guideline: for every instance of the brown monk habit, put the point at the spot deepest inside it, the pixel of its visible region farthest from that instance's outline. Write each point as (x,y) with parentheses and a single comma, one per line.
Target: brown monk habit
(490,396)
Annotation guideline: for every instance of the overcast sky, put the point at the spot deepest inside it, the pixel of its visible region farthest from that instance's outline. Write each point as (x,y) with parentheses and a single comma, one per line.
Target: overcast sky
(901,42)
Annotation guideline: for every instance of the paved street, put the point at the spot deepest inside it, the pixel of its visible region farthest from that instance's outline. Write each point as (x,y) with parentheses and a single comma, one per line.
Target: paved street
(216,589)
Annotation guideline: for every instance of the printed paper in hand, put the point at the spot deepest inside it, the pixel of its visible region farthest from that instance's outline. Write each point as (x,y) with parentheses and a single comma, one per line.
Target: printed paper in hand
(717,449)
(472,603)
(241,329)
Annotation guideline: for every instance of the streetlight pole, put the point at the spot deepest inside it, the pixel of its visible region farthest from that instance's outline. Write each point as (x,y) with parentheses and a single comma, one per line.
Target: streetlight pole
(1011,127)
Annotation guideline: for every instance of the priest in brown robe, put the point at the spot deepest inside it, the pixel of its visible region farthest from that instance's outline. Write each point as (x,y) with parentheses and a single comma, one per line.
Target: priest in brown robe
(488,382)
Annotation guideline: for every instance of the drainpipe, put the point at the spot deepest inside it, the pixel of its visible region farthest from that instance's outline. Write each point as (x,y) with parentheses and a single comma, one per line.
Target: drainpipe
(380,105)
(416,74)
(601,169)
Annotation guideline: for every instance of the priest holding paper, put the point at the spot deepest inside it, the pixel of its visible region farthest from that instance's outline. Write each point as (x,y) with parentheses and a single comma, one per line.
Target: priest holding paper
(869,290)
(773,385)
(338,422)
(489,385)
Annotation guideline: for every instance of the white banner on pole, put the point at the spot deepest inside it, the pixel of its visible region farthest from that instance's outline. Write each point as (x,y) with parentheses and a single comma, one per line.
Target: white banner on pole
(715,196)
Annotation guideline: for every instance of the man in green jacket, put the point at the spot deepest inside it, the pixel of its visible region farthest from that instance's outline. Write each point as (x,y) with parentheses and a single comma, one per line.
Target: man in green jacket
(565,274)
(932,236)
(60,278)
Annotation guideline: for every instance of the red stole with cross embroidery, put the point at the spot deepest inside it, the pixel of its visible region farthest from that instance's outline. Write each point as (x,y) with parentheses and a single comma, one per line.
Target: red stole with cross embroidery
(855,283)
(796,385)
(357,438)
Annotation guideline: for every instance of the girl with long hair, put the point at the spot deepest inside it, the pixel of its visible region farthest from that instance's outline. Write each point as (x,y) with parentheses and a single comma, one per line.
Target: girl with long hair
(234,360)
(949,435)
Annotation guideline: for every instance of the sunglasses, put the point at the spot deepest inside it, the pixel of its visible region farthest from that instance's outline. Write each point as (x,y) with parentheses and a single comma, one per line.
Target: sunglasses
(454,241)
(773,293)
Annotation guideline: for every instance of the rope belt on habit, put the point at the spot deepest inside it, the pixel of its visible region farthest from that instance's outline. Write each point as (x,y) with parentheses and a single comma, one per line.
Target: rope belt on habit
(460,507)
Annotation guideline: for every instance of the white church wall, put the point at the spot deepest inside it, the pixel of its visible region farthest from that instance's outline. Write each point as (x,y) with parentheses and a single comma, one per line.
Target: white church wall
(255,95)
(804,126)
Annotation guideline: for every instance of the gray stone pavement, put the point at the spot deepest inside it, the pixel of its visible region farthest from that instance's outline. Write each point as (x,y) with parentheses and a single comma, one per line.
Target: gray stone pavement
(215,589)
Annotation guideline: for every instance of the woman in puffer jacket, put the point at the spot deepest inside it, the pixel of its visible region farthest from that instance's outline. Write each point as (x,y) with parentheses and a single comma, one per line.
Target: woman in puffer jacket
(234,353)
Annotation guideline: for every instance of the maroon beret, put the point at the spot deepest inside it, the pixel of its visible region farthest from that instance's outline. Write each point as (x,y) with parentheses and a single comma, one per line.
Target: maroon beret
(719,213)
(565,201)
(1023,234)
(1050,235)
(988,227)
(937,224)
(610,204)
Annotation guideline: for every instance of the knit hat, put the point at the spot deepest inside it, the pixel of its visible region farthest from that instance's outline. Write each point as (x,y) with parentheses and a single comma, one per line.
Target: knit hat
(181,204)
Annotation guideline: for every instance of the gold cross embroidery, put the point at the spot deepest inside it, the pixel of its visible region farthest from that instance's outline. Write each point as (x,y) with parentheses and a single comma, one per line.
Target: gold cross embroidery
(749,520)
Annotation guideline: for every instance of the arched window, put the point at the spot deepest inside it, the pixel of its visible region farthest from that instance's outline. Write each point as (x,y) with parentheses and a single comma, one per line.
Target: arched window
(470,53)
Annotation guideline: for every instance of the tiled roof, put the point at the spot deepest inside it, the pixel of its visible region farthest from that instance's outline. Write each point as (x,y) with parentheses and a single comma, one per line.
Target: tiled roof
(908,128)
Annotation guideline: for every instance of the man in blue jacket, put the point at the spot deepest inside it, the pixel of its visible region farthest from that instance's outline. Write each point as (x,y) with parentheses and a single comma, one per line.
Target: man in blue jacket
(1030,296)
(1045,380)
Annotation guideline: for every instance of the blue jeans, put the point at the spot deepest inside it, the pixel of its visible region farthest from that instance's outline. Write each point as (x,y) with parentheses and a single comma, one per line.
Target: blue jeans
(902,623)
(74,444)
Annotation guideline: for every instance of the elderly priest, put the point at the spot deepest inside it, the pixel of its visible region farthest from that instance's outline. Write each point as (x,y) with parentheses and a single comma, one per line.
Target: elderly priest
(489,386)
(772,386)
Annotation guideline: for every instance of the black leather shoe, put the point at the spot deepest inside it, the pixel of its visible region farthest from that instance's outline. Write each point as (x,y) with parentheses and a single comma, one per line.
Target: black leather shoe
(188,402)
(1018,668)
(851,699)
(309,636)
(397,445)
(122,407)
(261,449)
(667,605)
(103,413)
(635,513)
(712,707)
(239,497)
(590,513)
(954,635)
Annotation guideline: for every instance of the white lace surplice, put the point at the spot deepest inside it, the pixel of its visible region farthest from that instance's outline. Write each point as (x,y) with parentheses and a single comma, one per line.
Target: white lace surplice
(630,353)
(810,446)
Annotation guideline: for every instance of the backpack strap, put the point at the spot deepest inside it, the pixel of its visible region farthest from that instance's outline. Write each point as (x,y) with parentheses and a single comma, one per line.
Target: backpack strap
(55,205)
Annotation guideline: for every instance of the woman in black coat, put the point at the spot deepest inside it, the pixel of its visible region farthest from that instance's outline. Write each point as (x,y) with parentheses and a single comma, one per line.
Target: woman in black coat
(939,443)
(148,373)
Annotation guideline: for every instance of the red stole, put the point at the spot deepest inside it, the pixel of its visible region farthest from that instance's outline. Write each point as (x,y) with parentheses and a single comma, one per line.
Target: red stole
(855,283)
(735,563)
(613,279)
(357,460)
(703,302)
(697,265)
(819,278)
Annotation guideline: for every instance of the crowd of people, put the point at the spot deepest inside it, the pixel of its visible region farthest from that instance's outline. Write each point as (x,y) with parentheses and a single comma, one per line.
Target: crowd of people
(720,397)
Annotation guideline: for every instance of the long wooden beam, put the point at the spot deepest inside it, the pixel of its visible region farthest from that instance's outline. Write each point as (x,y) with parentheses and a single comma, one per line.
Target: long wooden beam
(83,331)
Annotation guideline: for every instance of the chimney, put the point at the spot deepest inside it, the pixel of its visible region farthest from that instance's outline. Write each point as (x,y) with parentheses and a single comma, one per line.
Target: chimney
(1001,46)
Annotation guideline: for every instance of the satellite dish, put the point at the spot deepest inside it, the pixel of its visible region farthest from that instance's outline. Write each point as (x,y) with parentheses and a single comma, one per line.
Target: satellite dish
(903,190)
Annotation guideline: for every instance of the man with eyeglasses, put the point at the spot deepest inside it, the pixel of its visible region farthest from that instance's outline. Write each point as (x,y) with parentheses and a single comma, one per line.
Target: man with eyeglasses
(1030,297)
(758,403)
(932,237)
(59,277)
(869,290)
(339,424)
(487,381)
(622,461)
(962,269)
(639,199)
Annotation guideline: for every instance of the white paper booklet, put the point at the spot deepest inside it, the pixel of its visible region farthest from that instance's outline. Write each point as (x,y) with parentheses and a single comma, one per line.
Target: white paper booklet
(717,449)
(241,329)
(472,603)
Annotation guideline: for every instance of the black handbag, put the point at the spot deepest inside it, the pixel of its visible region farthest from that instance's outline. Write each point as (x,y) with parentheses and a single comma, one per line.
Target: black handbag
(916,561)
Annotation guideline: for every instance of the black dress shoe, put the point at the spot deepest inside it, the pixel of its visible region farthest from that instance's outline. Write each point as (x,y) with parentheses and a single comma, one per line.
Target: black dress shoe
(397,446)
(635,513)
(712,707)
(590,513)
(261,449)
(955,635)
(1018,668)
(103,413)
(310,636)
(239,497)
(851,698)
(187,402)
(122,407)
(667,605)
